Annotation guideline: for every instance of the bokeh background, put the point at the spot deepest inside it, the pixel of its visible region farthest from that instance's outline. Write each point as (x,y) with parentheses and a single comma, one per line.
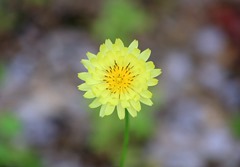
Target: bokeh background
(195,119)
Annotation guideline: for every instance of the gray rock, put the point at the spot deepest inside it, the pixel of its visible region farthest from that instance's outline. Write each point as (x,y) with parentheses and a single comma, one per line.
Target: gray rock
(210,41)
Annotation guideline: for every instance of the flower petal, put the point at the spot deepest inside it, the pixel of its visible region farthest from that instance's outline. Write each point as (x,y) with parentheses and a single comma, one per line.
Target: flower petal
(146,101)
(120,111)
(109,109)
(96,103)
(152,82)
(125,103)
(102,49)
(89,94)
(92,81)
(108,44)
(133,45)
(132,111)
(87,64)
(114,101)
(155,72)
(136,105)
(105,97)
(90,55)
(146,94)
(83,75)
(102,110)
(98,89)
(119,43)
(145,54)
(84,87)
(150,65)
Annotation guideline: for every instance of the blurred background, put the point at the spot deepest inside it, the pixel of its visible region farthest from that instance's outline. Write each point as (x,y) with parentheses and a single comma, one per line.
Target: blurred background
(195,119)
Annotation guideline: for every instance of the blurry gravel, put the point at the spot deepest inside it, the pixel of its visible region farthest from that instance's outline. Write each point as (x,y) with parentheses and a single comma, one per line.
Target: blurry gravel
(192,125)
(41,87)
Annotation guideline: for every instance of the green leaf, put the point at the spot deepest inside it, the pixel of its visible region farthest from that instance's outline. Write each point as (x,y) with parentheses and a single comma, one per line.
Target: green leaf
(7,20)
(105,133)
(9,125)
(235,125)
(2,72)
(27,158)
(5,154)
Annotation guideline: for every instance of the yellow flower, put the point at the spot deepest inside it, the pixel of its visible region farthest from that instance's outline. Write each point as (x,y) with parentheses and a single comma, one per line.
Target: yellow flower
(118,77)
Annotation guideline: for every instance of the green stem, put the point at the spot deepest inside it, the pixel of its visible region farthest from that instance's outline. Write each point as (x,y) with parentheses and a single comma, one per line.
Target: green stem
(126,138)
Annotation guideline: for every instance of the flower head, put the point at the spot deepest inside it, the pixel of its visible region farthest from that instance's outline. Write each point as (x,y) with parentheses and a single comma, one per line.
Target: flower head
(118,77)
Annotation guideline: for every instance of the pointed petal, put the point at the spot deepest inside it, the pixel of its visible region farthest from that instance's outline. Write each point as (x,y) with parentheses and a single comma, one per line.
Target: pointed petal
(109,109)
(136,52)
(114,101)
(96,103)
(90,55)
(102,110)
(152,82)
(108,43)
(92,81)
(146,101)
(132,111)
(120,111)
(103,48)
(156,72)
(83,75)
(146,94)
(133,45)
(125,104)
(87,64)
(150,66)
(84,87)
(136,105)
(119,42)
(98,89)
(89,95)
(145,54)
(105,97)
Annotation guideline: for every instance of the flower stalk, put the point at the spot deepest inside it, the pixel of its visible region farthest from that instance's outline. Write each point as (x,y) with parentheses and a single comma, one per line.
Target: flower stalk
(117,79)
(126,140)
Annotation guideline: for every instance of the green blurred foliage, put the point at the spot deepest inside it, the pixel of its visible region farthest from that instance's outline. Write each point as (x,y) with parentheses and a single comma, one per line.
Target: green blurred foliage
(7,17)
(107,133)
(11,12)
(39,3)
(235,125)
(2,72)
(120,19)
(9,125)
(109,130)
(12,154)
(7,20)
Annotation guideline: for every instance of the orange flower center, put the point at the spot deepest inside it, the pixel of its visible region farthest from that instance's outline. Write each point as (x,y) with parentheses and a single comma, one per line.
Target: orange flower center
(119,79)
